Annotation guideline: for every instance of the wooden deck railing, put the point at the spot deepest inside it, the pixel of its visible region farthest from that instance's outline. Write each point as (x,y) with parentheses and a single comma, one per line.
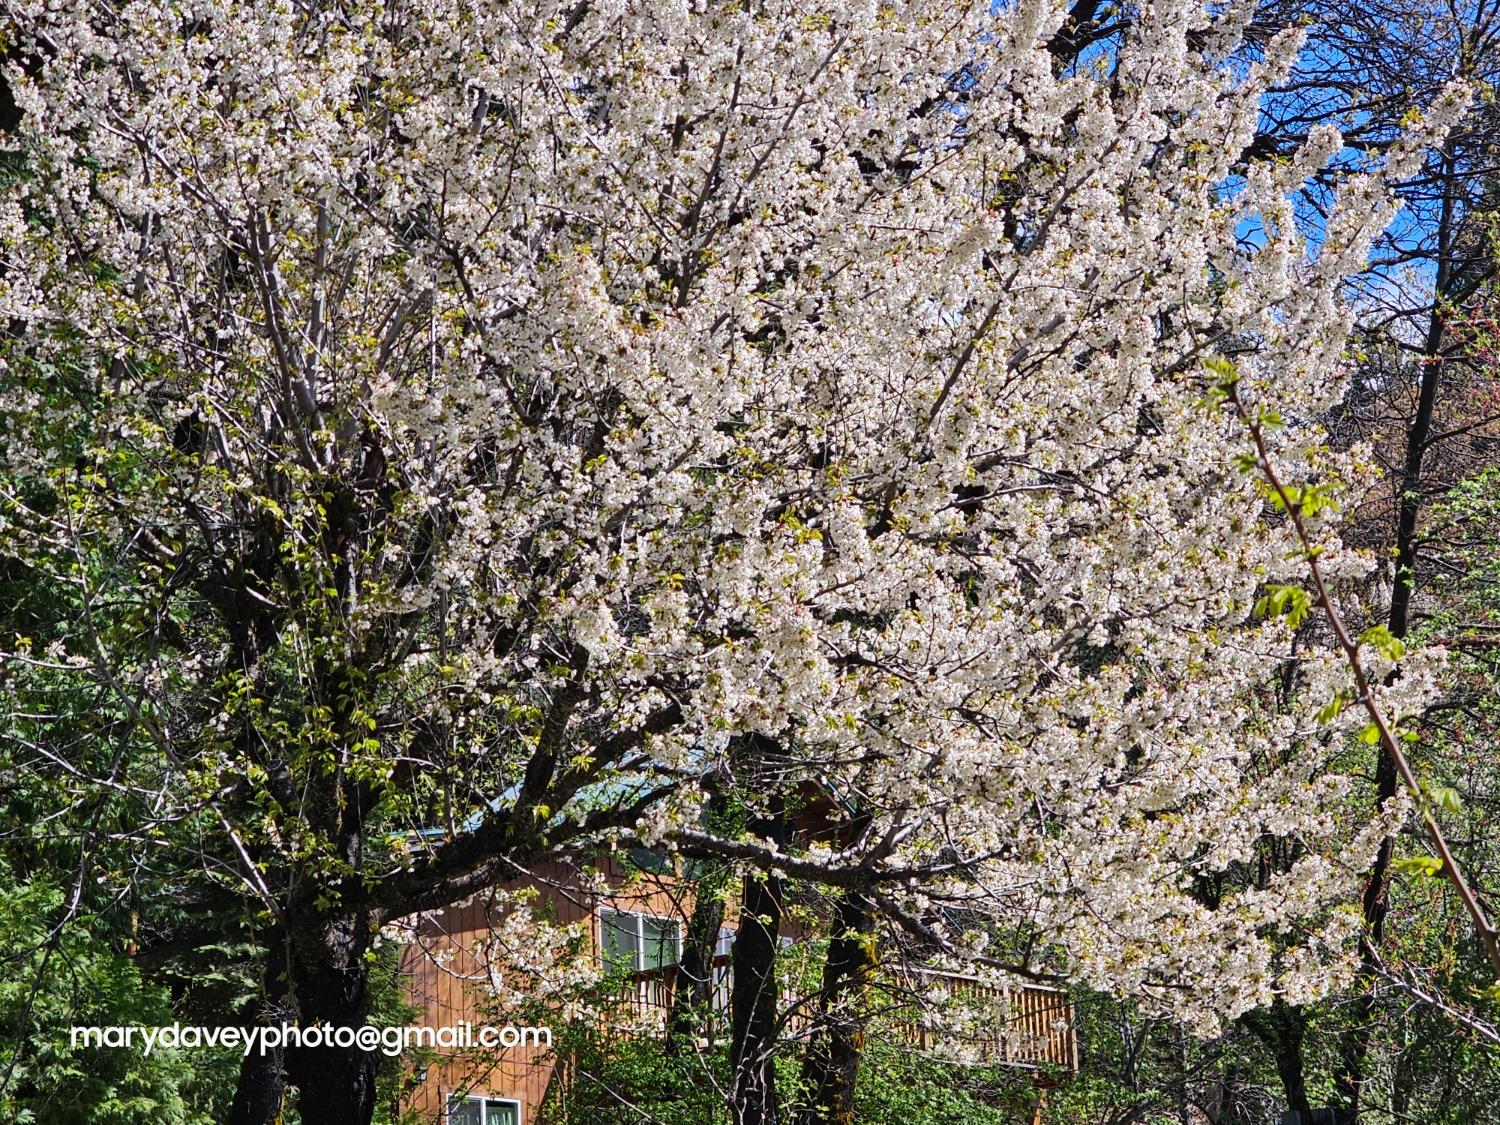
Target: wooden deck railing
(1020,1025)
(646,999)
(948,1013)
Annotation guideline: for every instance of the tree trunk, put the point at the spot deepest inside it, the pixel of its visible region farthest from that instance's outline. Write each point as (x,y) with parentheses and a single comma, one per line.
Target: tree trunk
(693,992)
(1184,1105)
(335,1085)
(831,1065)
(1282,1029)
(754,991)
(261,1088)
(753,1002)
(694,987)
(328,988)
(1354,1045)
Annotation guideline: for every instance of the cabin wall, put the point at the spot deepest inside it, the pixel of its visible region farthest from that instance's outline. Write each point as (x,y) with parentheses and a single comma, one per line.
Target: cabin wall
(451,984)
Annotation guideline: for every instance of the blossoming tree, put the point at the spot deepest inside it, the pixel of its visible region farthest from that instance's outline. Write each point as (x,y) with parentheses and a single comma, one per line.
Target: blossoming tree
(491,419)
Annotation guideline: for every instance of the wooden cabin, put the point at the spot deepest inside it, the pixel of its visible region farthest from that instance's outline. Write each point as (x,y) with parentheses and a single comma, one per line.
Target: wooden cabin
(635,926)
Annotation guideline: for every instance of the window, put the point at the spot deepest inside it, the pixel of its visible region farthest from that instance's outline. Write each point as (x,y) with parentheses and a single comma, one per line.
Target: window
(480,1110)
(632,942)
(650,860)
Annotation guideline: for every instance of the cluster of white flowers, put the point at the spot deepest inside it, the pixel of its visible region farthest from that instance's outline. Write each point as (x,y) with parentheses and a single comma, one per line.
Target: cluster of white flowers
(829,371)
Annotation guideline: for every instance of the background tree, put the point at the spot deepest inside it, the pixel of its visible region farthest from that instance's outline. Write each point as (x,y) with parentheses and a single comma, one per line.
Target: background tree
(1364,67)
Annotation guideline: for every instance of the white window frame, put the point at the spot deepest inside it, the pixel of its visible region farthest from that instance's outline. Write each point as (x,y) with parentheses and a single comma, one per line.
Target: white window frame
(640,918)
(484,1110)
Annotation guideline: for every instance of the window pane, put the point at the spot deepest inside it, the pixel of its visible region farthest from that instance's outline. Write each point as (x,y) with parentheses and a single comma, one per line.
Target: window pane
(661,942)
(648,859)
(620,941)
(465,1111)
(501,1113)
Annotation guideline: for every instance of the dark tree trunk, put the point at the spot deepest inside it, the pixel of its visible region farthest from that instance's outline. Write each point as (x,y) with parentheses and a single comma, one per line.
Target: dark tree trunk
(261,1088)
(831,1065)
(1354,1045)
(335,1085)
(690,1012)
(753,1002)
(1282,1029)
(754,990)
(694,988)
(319,978)
(1184,1103)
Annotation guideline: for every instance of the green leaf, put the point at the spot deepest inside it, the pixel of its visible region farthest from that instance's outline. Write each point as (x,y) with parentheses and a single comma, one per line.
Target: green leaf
(1290,602)
(1225,373)
(1223,377)
(1331,710)
(1380,638)
(1445,797)
(1418,865)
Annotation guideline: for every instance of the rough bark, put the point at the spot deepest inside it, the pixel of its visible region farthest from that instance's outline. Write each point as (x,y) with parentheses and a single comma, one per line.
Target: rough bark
(320,977)
(1282,1029)
(831,1065)
(694,988)
(755,990)
(335,1085)
(1184,1103)
(753,1002)
(261,1088)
